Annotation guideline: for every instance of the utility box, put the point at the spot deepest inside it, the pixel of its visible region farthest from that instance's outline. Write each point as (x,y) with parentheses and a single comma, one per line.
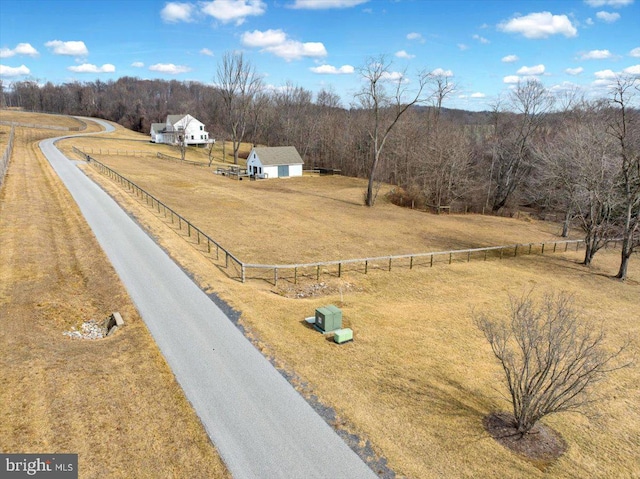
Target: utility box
(343,335)
(329,318)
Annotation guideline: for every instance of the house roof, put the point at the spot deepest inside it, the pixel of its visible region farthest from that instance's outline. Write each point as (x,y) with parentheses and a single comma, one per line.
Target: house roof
(173,119)
(158,127)
(278,155)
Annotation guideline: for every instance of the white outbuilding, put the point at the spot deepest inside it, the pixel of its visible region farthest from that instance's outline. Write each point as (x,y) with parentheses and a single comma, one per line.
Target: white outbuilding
(274,162)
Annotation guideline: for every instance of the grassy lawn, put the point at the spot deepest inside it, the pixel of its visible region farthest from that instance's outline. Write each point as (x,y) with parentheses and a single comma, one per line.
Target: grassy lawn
(113,401)
(418,378)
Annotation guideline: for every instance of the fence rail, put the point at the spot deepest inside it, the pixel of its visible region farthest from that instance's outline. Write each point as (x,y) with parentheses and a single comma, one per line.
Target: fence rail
(162,156)
(230,261)
(6,156)
(110,152)
(274,273)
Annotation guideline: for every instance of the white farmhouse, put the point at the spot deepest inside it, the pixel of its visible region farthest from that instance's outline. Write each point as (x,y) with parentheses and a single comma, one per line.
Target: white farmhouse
(274,162)
(178,129)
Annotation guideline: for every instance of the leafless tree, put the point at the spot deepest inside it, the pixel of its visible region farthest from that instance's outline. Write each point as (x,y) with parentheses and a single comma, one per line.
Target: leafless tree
(623,125)
(385,107)
(580,169)
(551,356)
(238,84)
(513,152)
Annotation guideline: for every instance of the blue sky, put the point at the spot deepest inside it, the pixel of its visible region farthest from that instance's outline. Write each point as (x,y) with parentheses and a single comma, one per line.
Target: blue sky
(485,46)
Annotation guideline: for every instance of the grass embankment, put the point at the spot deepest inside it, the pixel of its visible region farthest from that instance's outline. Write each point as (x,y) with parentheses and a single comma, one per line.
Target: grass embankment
(419,378)
(115,401)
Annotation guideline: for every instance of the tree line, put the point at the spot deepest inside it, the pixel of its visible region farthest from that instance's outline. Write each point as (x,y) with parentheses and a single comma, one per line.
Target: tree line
(562,155)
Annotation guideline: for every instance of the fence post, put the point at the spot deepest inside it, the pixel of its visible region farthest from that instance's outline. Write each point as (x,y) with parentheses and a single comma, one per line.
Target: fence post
(566,246)
(530,248)
(226,260)
(295,275)
(389,264)
(366,266)
(450,257)
(468,256)
(555,243)
(411,262)
(515,253)
(275,276)
(243,271)
(318,273)
(485,255)
(543,248)
(339,270)
(431,260)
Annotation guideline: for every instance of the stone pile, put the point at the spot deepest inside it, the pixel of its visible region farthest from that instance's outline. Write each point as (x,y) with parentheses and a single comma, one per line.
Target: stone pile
(91,329)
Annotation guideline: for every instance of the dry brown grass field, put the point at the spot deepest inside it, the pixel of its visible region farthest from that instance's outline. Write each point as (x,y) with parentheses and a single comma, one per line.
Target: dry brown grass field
(113,401)
(419,378)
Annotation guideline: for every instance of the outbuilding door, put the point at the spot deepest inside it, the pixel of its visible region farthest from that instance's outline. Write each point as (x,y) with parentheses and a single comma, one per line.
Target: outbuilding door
(283,171)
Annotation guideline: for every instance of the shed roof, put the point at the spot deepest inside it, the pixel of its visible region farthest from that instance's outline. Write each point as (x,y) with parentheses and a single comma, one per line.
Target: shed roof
(278,155)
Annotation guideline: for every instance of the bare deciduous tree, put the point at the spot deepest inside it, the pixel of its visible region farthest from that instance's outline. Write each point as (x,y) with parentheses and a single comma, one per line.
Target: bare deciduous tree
(513,152)
(623,126)
(238,84)
(551,357)
(385,108)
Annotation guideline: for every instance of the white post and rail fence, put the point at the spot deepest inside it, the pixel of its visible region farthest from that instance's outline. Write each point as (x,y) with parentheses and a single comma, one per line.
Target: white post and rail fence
(237,269)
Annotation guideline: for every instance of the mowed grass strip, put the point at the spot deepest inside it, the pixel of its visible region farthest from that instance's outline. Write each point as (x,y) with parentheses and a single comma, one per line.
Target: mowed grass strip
(419,377)
(115,401)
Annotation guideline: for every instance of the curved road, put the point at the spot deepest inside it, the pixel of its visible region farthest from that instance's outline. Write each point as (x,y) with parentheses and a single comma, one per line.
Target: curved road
(260,425)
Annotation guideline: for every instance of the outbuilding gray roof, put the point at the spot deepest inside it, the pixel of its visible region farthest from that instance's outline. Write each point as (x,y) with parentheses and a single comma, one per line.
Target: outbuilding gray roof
(278,155)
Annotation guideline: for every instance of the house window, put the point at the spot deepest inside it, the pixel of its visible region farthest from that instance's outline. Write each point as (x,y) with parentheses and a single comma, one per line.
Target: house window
(192,137)
(201,128)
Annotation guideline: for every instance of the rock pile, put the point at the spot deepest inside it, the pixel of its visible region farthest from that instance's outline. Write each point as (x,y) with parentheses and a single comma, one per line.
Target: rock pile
(91,329)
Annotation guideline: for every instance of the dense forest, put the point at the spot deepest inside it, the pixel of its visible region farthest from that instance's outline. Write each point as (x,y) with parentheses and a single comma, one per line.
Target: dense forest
(563,156)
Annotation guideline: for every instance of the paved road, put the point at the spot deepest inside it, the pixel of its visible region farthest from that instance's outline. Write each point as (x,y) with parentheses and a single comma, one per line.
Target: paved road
(260,425)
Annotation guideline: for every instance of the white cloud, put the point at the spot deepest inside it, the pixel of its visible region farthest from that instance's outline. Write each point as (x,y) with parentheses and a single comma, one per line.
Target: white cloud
(89,68)
(574,71)
(511,79)
(439,72)
(539,25)
(325,4)
(596,55)
(609,3)
(633,70)
(605,75)
(463,47)
(416,36)
(394,77)
(608,17)
(169,68)
(277,42)
(404,54)
(481,39)
(589,21)
(635,52)
(6,71)
(331,70)
(268,38)
(510,59)
(174,12)
(535,70)
(234,10)
(206,52)
(20,49)
(478,95)
(74,48)
(137,65)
